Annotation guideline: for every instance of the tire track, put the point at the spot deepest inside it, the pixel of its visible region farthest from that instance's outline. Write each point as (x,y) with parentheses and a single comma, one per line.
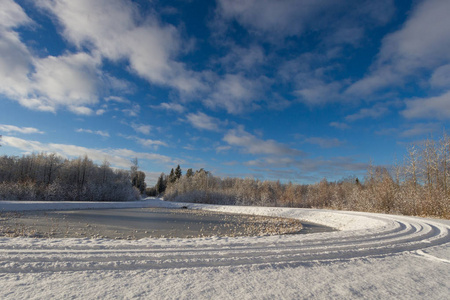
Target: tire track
(393,235)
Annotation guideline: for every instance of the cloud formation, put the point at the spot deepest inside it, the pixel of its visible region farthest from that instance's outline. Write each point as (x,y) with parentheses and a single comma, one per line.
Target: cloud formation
(428,108)
(24,130)
(118,157)
(254,145)
(374,112)
(97,132)
(422,44)
(48,83)
(170,107)
(202,121)
(236,93)
(117,30)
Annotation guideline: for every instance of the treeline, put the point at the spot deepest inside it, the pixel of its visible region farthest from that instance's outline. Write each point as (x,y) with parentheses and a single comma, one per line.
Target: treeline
(165,180)
(52,178)
(418,186)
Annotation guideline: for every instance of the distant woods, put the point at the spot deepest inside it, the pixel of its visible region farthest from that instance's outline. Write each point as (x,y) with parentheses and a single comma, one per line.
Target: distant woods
(165,180)
(50,177)
(420,185)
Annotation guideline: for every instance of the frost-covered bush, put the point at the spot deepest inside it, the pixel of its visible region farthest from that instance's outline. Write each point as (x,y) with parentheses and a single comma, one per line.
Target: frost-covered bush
(421,186)
(52,178)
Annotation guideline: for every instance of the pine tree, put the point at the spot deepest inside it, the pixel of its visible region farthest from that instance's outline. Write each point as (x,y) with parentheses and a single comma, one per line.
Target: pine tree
(139,181)
(189,173)
(172,177)
(178,172)
(161,184)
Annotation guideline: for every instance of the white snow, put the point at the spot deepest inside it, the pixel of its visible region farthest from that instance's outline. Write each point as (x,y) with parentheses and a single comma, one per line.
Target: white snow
(372,256)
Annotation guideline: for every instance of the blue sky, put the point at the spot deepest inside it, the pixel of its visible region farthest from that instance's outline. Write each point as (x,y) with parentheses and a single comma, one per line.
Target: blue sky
(295,90)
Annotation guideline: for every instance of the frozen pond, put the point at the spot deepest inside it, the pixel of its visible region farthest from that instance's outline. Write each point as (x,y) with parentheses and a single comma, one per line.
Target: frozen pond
(137,223)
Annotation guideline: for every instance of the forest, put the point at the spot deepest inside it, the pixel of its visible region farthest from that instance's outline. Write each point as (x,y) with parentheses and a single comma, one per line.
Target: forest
(49,177)
(420,186)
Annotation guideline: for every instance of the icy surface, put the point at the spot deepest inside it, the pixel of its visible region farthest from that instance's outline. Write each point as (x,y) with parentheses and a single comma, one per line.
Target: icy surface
(372,256)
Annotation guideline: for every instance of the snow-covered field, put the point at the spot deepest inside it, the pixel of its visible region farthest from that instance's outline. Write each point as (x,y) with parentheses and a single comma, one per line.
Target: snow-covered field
(372,256)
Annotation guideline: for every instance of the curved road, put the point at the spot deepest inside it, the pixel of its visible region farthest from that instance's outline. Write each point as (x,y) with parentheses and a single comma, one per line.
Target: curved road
(372,256)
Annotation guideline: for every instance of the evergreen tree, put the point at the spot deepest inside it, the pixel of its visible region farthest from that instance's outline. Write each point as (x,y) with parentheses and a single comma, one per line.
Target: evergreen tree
(189,173)
(178,172)
(172,177)
(161,184)
(138,181)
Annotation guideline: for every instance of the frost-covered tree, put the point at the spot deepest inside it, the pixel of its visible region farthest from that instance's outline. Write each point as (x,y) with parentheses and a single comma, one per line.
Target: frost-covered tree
(50,177)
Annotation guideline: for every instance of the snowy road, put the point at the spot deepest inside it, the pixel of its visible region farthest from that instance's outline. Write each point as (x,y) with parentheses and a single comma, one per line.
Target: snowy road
(372,256)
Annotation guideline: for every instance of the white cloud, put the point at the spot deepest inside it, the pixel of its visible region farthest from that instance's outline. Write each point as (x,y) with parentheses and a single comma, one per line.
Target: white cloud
(279,19)
(133,111)
(253,145)
(24,145)
(118,31)
(98,132)
(222,148)
(318,92)
(420,129)
(151,178)
(37,104)
(280,162)
(81,110)
(441,77)
(340,23)
(243,59)
(170,106)
(364,113)
(150,143)
(428,108)
(141,155)
(309,75)
(189,147)
(15,62)
(12,15)
(46,84)
(100,112)
(69,80)
(203,121)
(423,43)
(145,142)
(316,169)
(236,94)
(141,128)
(117,99)
(24,130)
(117,157)
(286,17)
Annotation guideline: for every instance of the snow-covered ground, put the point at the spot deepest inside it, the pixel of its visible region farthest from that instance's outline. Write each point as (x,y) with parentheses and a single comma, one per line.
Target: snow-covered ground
(372,256)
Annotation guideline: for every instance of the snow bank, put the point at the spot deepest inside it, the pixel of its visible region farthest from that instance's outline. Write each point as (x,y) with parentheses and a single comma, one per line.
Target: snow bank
(374,256)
